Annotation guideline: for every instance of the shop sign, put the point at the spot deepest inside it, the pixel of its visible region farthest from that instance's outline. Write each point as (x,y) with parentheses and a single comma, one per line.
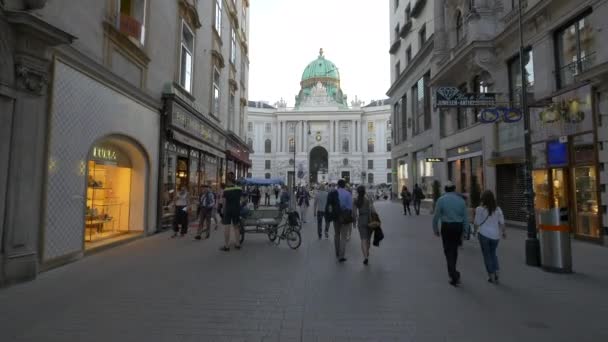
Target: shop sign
(434,160)
(195,126)
(567,114)
(105,154)
(453,97)
(465,149)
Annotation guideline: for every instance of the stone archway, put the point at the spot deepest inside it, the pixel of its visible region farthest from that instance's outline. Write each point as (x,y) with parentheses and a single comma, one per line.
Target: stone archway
(318,163)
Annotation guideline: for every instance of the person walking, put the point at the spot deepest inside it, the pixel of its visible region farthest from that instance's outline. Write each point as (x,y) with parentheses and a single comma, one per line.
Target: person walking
(362,210)
(232,212)
(255,197)
(417,196)
(303,197)
(451,210)
(491,226)
(267,196)
(180,220)
(205,212)
(319,211)
(340,202)
(285,198)
(216,208)
(277,189)
(406,198)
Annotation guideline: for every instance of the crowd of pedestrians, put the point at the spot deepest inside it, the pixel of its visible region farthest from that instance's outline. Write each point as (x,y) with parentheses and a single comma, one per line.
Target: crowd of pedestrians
(338,205)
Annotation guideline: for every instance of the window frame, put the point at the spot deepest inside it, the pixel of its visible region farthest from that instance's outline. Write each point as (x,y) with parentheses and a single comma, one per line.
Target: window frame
(216,88)
(370,164)
(578,63)
(183,46)
(217,24)
(233,46)
(345,145)
(267,146)
(267,164)
(371,145)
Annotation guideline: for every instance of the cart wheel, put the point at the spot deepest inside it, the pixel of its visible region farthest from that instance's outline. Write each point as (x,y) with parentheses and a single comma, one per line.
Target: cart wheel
(272,234)
(242,235)
(294,239)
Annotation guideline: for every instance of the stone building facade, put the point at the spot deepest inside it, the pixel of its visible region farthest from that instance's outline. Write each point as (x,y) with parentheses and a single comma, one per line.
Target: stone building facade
(476,50)
(100,103)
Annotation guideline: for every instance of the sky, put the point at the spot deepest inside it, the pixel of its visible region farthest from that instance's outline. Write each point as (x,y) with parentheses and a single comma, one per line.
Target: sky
(286,35)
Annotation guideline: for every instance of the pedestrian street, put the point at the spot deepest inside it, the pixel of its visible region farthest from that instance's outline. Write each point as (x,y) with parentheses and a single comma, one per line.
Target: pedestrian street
(163,289)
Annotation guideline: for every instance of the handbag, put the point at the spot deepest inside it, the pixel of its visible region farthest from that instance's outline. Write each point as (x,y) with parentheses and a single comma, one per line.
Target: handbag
(374,220)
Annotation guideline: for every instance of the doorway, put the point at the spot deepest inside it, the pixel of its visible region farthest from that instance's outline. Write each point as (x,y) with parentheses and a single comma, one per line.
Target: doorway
(551,189)
(318,163)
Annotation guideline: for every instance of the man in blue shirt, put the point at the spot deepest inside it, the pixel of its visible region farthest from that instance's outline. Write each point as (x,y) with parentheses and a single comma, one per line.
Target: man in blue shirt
(451,210)
(343,220)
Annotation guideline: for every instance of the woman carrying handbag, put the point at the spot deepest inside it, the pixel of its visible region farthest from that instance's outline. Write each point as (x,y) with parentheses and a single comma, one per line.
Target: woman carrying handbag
(490,225)
(363,209)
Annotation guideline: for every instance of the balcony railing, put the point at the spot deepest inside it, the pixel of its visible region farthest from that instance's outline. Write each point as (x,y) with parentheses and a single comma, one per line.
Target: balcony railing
(568,72)
(131,27)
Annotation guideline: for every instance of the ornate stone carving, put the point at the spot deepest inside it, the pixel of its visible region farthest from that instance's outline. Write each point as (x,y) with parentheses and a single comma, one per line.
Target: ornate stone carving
(31,76)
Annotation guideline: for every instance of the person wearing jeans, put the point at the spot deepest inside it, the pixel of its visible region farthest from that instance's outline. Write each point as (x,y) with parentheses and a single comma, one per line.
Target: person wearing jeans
(491,222)
(319,211)
(451,210)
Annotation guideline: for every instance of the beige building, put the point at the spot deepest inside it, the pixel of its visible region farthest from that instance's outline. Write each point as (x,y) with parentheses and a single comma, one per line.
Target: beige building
(476,52)
(105,107)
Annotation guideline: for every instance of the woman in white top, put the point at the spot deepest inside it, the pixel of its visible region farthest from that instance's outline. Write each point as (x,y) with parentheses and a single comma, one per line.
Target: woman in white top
(490,224)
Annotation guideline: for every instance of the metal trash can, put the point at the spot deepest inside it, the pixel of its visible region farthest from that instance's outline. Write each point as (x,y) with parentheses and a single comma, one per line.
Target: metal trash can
(555,243)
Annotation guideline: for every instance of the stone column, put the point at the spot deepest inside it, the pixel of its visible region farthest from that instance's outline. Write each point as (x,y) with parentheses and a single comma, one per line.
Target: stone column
(25,72)
(352,136)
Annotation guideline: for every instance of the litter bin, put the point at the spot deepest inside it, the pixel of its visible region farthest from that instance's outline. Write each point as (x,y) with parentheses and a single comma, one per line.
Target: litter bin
(555,244)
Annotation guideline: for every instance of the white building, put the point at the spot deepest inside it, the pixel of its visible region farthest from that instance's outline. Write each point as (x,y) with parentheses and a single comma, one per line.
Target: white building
(322,139)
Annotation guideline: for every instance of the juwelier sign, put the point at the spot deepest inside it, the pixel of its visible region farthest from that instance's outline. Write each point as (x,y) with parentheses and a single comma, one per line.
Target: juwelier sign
(453,97)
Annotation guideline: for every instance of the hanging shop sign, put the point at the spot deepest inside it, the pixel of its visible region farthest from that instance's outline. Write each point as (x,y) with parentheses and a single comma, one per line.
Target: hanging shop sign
(453,97)
(434,160)
(504,114)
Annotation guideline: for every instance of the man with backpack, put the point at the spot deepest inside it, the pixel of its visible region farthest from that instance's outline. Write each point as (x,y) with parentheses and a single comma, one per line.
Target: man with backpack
(205,208)
(418,196)
(340,210)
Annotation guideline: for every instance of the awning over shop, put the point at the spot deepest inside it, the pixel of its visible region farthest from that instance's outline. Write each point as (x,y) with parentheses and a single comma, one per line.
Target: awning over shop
(242,157)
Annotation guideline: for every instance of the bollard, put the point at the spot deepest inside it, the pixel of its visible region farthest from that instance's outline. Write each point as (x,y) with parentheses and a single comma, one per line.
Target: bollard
(555,243)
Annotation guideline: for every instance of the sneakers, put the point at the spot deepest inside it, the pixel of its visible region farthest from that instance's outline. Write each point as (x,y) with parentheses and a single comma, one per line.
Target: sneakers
(343,259)
(198,237)
(366,261)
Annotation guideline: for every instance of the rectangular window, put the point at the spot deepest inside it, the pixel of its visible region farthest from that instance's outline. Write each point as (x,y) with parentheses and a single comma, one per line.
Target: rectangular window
(408,13)
(404,118)
(370,164)
(187,64)
(422,35)
(396,4)
(575,50)
(397,69)
(268,128)
(232,46)
(389,163)
(370,178)
(408,55)
(515,76)
(216,92)
(267,164)
(370,127)
(389,178)
(218,17)
(417,106)
(250,126)
(231,111)
(241,120)
(397,32)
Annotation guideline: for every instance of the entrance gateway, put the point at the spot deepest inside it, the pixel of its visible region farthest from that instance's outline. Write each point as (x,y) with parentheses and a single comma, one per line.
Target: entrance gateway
(318,165)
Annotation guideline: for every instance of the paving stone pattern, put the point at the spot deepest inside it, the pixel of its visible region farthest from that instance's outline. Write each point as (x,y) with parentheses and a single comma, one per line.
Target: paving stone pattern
(162,289)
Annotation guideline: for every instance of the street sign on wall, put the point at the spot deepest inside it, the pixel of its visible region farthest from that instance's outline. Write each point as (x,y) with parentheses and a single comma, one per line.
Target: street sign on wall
(453,97)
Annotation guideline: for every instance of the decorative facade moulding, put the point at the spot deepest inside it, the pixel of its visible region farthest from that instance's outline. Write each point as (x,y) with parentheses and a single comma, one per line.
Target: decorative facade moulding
(243,101)
(31,76)
(189,13)
(121,40)
(233,84)
(218,58)
(417,8)
(395,46)
(405,29)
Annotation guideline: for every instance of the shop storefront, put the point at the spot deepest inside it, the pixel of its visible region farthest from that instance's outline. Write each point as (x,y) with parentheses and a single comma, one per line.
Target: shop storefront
(465,168)
(423,171)
(109,191)
(191,156)
(237,157)
(402,174)
(564,155)
(102,168)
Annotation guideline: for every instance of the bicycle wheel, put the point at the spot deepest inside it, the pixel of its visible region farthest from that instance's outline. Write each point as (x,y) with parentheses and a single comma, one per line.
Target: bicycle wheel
(272,233)
(293,238)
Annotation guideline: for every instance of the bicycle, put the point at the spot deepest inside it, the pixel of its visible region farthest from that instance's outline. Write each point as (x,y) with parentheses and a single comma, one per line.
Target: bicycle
(288,232)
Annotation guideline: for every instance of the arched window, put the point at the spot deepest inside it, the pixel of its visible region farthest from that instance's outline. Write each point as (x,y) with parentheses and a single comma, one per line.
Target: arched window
(250,143)
(370,145)
(267,176)
(459,27)
(292,145)
(345,145)
(267,146)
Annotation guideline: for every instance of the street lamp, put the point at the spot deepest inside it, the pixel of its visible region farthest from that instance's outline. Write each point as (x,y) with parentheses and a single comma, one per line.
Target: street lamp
(293,183)
(532,243)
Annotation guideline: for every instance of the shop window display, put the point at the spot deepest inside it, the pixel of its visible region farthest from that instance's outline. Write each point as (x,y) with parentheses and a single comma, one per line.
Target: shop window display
(586,197)
(108,201)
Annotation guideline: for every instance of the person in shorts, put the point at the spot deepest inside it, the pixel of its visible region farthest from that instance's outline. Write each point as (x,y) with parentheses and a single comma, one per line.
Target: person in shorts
(232,212)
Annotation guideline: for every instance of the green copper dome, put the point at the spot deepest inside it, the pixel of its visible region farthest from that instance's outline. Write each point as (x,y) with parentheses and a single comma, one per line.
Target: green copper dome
(321,68)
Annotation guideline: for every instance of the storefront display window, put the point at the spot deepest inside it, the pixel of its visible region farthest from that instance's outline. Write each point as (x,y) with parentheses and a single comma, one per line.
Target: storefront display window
(424,171)
(403,176)
(108,194)
(586,202)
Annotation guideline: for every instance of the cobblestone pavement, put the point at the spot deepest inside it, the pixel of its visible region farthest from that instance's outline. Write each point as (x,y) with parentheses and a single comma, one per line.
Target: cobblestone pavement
(162,289)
